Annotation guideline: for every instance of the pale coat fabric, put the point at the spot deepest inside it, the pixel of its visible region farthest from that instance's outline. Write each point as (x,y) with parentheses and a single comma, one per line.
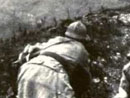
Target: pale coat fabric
(124,87)
(44,77)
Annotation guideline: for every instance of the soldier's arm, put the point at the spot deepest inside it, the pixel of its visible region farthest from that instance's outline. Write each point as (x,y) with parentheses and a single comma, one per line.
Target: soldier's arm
(28,50)
(124,85)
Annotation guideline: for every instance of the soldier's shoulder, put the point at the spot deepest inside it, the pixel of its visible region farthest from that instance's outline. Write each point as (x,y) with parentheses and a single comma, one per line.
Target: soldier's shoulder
(80,47)
(57,39)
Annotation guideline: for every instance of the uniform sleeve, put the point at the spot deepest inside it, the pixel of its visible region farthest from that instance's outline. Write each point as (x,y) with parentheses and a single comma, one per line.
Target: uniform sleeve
(28,50)
(124,84)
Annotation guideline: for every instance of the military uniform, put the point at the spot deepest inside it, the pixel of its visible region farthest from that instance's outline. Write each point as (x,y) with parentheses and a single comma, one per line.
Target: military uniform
(44,76)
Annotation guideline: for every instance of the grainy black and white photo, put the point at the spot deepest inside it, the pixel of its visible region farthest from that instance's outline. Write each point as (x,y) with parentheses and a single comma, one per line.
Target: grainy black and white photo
(64,48)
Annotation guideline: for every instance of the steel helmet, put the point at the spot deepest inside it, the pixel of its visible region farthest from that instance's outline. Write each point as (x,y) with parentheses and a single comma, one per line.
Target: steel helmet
(77,30)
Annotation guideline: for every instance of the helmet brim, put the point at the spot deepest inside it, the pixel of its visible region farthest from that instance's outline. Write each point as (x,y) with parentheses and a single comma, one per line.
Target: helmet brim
(72,35)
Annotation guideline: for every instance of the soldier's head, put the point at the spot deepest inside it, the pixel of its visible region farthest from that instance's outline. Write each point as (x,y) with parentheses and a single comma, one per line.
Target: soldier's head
(77,30)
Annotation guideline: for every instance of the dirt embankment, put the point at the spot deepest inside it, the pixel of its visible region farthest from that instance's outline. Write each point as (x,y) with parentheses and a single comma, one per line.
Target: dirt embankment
(109,31)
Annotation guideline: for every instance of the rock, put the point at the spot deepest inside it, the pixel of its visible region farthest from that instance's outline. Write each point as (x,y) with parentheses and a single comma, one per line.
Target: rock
(125,18)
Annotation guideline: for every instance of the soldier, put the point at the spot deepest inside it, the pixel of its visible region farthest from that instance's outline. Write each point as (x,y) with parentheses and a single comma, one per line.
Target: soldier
(56,69)
(123,91)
